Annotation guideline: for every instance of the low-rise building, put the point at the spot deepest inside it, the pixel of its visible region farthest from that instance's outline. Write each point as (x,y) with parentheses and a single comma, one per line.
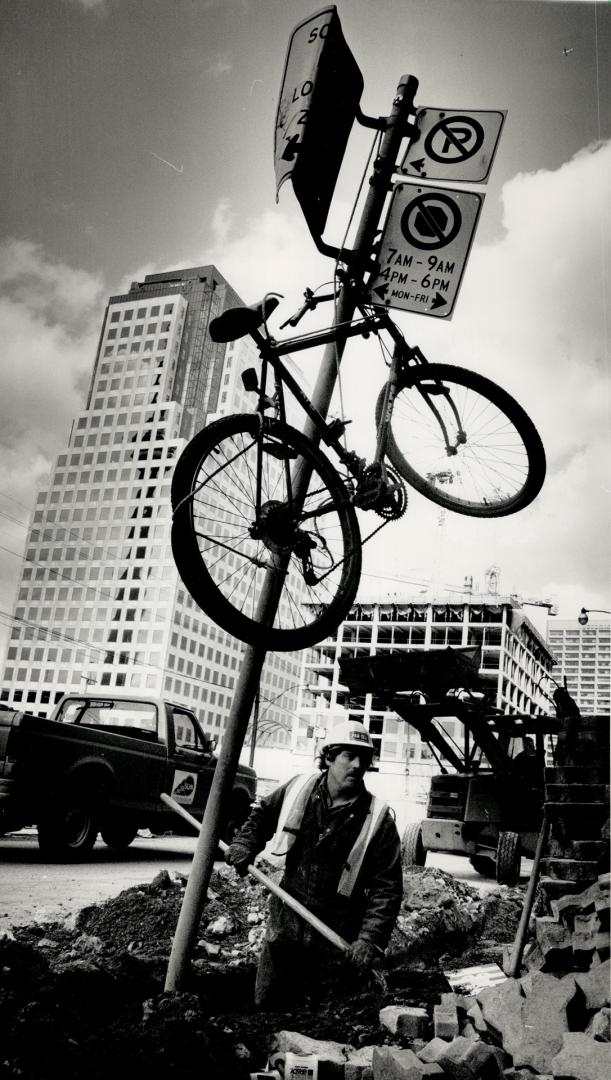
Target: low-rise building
(515,660)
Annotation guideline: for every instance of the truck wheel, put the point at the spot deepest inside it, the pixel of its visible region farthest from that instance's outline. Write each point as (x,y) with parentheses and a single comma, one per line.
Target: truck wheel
(67,832)
(118,834)
(508,858)
(412,848)
(483,865)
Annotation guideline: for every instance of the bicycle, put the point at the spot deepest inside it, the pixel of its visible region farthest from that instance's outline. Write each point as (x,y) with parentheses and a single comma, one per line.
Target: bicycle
(454,435)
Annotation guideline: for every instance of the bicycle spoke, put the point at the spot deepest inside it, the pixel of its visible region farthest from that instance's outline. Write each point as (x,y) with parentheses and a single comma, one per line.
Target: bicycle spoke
(464,442)
(242,526)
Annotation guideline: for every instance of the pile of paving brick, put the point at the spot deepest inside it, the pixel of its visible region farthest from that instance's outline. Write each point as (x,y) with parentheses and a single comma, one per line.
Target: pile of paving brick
(577,807)
(575,937)
(517,1030)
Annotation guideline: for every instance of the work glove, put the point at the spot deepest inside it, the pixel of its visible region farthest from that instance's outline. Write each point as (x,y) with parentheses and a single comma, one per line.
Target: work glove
(362,954)
(238,856)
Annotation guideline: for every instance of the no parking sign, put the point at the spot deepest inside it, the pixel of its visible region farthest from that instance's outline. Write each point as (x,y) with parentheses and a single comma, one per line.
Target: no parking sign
(424,247)
(454,145)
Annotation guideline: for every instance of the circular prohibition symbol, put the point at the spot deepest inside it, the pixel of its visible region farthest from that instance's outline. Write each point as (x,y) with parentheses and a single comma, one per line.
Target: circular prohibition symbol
(430,221)
(454,139)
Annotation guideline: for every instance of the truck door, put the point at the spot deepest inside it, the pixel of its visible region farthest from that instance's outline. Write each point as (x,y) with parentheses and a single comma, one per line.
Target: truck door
(191,761)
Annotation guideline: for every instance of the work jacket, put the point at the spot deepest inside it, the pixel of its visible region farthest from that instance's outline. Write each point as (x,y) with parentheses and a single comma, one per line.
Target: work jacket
(318,856)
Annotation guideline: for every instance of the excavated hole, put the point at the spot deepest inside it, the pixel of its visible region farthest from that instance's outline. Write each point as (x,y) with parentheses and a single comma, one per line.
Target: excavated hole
(85,997)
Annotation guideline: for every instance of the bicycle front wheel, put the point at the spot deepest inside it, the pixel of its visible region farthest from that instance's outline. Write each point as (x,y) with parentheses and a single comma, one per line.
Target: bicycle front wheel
(463,442)
(234,522)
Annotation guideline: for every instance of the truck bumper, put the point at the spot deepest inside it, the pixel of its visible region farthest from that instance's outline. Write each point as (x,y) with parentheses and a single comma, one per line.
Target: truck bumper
(443,835)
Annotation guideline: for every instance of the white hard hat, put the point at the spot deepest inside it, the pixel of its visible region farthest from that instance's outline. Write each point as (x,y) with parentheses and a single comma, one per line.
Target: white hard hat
(348,733)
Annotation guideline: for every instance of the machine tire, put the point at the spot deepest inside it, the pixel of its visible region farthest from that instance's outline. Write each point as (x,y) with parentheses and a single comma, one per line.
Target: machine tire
(483,865)
(68,831)
(118,834)
(508,858)
(412,849)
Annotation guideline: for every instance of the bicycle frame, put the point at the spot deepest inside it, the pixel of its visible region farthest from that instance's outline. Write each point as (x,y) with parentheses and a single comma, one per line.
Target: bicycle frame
(404,356)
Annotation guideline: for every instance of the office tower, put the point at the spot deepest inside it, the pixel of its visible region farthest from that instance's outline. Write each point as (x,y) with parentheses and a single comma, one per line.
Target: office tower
(584,657)
(99,602)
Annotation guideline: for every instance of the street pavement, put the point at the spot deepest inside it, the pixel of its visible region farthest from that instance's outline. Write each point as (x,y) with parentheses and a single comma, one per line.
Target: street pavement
(32,890)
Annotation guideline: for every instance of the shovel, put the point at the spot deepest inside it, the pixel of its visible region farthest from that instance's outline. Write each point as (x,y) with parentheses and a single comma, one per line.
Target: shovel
(286,898)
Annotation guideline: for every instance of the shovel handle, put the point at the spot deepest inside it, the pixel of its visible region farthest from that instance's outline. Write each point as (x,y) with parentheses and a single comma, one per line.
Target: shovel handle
(254,872)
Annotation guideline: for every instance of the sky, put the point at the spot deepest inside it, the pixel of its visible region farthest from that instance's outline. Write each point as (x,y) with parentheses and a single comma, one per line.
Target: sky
(138,137)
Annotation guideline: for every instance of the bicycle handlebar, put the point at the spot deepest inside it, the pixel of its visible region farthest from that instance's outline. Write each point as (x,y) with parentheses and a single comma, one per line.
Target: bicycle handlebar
(311,302)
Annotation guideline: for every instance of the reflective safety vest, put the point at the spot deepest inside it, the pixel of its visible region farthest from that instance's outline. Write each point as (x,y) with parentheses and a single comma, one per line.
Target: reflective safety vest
(291,817)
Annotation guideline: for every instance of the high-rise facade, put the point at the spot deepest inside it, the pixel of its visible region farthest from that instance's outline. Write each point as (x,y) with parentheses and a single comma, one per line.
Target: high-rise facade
(584,658)
(99,602)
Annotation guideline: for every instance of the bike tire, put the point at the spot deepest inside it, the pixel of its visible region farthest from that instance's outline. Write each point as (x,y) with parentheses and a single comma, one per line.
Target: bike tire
(498,470)
(223,566)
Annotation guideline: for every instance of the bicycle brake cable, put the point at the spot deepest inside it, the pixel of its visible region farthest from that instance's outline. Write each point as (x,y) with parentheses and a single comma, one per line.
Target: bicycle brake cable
(264,309)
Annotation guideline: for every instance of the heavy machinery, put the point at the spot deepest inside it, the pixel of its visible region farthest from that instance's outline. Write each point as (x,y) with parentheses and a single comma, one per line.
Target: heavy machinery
(487,800)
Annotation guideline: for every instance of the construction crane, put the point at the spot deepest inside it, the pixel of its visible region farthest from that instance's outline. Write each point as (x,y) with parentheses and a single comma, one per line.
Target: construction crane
(521,601)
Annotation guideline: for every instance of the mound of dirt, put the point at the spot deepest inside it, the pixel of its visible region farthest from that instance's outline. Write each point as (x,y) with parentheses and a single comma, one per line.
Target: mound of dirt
(84,998)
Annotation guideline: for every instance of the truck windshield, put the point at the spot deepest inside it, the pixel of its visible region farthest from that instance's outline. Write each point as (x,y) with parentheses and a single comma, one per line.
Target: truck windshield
(98,712)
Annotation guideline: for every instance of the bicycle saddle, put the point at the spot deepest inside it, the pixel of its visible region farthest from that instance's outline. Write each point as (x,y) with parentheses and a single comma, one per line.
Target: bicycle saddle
(237,322)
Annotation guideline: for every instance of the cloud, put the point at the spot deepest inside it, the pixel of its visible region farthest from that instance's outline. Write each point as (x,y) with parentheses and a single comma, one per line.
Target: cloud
(221,222)
(219,64)
(90,5)
(52,292)
(49,324)
(531,316)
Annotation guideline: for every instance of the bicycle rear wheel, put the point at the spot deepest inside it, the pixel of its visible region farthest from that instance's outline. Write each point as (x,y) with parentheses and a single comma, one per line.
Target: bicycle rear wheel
(224,547)
(463,442)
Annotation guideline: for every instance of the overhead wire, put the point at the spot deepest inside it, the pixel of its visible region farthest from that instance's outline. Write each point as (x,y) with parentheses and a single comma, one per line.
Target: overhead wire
(422,584)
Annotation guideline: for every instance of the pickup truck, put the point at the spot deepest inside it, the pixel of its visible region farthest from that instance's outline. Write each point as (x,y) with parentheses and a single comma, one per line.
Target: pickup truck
(100,764)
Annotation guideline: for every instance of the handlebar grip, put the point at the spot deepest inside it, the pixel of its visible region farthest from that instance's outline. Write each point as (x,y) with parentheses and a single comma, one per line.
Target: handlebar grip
(298,316)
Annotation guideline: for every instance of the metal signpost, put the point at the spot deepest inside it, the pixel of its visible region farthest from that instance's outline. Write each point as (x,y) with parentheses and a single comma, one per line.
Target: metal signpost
(395,127)
(319,101)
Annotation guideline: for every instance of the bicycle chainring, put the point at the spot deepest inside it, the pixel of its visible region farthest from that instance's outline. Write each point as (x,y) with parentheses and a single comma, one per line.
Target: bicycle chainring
(392,502)
(381,490)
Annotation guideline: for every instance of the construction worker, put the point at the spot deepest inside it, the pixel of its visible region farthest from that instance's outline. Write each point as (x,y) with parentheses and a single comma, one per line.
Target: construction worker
(342,857)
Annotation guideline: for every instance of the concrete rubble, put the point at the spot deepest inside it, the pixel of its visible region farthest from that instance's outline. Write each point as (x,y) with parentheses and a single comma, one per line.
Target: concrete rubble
(552,1024)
